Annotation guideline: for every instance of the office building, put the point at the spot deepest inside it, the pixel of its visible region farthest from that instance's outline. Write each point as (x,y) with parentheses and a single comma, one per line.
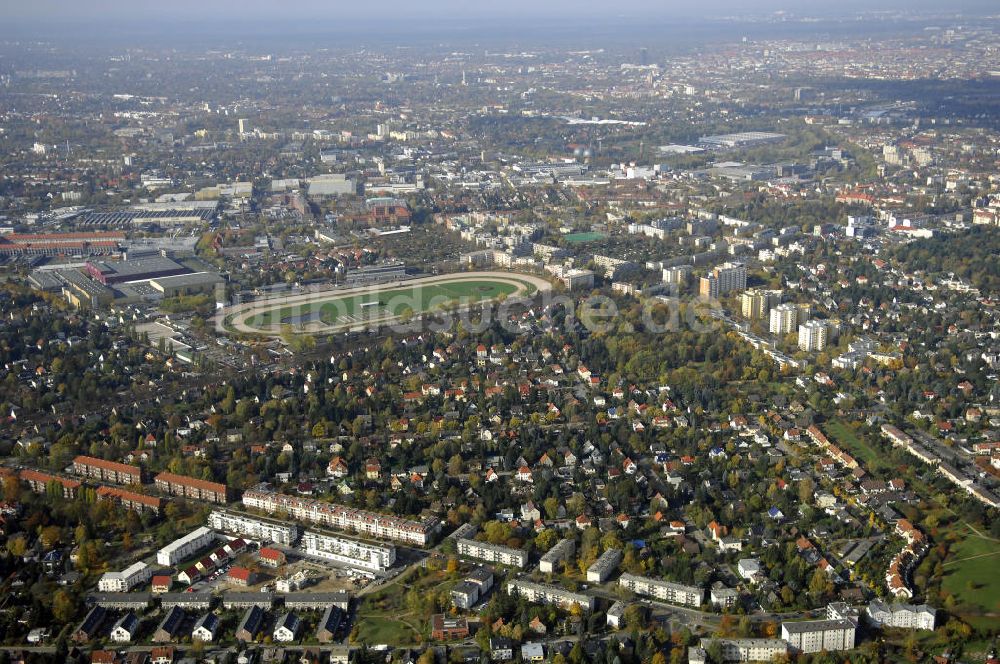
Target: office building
(674,593)
(809,636)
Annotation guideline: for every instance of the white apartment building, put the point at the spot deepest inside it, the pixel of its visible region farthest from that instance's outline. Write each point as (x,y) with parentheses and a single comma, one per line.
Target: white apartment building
(362,555)
(254,528)
(724,279)
(783,318)
(674,593)
(904,616)
(747,650)
(604,566)
(810,636)
(563,550)
(185,547)
(371,524)
(813,335)
(493,553)
(125,580)
(545,594)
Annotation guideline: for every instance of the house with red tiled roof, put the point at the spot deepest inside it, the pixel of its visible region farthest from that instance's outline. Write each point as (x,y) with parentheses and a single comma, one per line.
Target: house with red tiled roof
(271,557)
(240,576)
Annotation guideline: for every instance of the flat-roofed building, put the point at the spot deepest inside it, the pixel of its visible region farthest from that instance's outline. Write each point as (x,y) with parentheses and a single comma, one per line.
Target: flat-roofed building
(110,471)
(747,650)
(353,553)
(809,636)
(186,546)
(903,616)
(545,594)
(195,283)
(367,523)
(125,580)
(191,487)
(604,566)
(673,593)
(257,528)
(493,553)
(562,551)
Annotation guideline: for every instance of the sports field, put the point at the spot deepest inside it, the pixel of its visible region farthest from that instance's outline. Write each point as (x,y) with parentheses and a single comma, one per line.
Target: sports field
(363,307)
(577,238)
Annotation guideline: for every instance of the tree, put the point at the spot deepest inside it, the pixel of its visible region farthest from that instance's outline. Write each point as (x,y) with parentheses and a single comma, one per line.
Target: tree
(63,606)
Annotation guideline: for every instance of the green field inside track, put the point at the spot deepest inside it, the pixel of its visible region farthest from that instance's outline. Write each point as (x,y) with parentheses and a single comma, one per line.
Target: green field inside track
(376,305)
(577,238)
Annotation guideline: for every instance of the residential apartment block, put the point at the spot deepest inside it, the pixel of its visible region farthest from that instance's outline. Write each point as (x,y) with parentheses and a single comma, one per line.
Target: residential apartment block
(125,580)
(604,566)
(191,487)
(371,557)
(364,522)
(184,547)
(109,471)
(810,636)
(674,593)
(493,553)
(563,550)
(545,594)
(256,528)
(904,616)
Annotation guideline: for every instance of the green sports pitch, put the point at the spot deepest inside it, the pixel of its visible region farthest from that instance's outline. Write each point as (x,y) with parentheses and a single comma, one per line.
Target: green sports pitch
(386,303)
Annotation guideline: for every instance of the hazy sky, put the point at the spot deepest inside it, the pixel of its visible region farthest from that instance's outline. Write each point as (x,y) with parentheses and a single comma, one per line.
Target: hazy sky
(389,10)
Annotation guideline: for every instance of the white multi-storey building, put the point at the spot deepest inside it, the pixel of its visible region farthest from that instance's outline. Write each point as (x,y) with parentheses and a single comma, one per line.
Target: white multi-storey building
(783,318)
(674,593)
(125,580)
(746,650)
(604,566)
(810,636)
(362,555)
(563,550)
(813,335)
(185,547)
(254,528)
(545,594)
(904,616)
(493,553)
(371,524)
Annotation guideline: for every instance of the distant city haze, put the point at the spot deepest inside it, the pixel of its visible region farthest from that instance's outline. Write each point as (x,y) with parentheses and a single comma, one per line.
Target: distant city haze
(104,11)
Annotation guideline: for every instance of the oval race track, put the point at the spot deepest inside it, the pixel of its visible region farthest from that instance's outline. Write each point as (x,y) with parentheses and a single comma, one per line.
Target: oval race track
(306,307)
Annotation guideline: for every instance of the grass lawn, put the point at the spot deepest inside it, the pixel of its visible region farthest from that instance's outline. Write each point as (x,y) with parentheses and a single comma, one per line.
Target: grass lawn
(379,304)
(576,238)
(970,574)
(841,434)
(393,631)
